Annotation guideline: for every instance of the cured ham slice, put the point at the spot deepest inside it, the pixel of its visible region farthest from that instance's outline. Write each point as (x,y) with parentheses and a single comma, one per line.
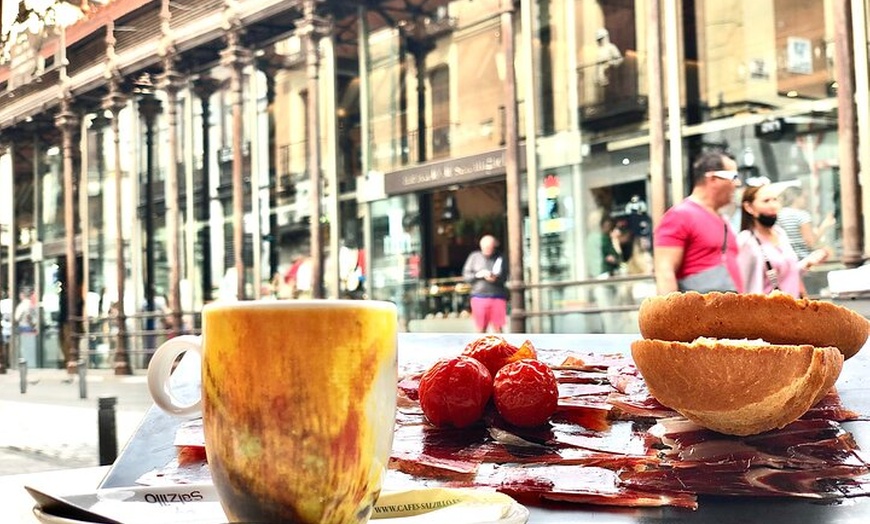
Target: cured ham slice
(830,408)
(594,414)
(539,484)
(757,481)
(802,444)
(589,361)
(639,406)
(588,485)
(577,376)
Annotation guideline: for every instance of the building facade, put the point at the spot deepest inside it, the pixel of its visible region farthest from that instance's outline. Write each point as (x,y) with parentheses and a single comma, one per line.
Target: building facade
(156,155)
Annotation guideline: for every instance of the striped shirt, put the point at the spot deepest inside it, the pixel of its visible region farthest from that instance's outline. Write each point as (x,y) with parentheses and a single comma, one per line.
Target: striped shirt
(791,220)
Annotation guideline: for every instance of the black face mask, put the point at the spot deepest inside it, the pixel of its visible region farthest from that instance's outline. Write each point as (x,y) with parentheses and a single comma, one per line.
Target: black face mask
(766,220)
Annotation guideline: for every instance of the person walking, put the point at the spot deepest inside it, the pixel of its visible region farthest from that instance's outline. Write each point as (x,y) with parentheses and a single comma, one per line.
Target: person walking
(486,271)
(694,246)
(766,258)
(798,224)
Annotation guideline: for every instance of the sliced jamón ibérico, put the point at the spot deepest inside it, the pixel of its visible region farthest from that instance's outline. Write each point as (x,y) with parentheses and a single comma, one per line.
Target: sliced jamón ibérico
(601,430)
(588,361)
(756,481)
(801,444)
(831,408)
(539,484)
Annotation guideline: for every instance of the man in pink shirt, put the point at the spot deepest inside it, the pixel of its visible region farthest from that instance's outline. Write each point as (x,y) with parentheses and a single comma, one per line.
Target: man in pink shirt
(694,246)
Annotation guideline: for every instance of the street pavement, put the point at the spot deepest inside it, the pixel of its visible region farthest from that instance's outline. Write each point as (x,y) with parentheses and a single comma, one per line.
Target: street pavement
(51,427)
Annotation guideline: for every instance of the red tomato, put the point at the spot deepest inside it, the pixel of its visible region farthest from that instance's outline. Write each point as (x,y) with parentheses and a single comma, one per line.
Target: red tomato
(454,392)
(525,392)
(494,352)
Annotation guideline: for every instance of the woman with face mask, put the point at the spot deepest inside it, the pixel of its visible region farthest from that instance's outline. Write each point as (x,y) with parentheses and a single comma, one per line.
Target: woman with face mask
(766,259)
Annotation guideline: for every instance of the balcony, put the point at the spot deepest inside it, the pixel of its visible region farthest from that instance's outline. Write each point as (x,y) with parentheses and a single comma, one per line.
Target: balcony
(610,95)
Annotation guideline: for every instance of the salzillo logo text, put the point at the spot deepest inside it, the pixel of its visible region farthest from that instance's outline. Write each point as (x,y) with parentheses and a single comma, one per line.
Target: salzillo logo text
(165,499)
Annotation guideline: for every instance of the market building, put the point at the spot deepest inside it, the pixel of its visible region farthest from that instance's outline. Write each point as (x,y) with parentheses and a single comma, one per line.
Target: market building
(156,155)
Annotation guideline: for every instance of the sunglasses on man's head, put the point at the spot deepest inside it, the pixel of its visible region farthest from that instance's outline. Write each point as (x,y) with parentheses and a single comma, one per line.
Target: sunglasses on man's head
(757,181)
(724,175)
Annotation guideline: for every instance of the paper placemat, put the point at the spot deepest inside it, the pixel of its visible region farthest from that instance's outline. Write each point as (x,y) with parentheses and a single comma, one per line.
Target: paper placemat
(198,504)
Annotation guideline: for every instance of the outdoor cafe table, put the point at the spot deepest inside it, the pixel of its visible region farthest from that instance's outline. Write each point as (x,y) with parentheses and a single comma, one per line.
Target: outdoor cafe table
(16,506)
(151,447)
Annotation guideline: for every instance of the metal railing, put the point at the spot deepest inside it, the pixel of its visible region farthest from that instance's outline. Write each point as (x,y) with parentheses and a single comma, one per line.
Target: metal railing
(613,281)
(97,338)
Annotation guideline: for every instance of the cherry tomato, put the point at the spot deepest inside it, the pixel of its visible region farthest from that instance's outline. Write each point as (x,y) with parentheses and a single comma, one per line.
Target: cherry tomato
(494,352)
(454,392)
(526,392)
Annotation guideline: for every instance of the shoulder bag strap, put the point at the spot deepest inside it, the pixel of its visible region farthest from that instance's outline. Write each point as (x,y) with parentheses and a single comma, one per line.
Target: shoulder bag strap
(771,273)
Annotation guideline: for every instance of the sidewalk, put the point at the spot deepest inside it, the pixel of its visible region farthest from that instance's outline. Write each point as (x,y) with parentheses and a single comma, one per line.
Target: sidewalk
(51,427)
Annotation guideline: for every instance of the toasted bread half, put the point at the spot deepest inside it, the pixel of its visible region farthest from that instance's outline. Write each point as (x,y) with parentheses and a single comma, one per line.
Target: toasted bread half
(737,387)
(777,318)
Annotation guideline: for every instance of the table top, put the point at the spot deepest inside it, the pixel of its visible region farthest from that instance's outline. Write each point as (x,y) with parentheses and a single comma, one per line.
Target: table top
(17,506)
(152,447)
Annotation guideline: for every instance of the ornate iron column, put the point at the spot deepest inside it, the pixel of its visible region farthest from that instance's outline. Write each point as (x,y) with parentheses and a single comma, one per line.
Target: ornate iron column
(311,28)
(171,82)
(235,57)
(114,101)
(149,108)
(68,123)
(204,87)
(270,64)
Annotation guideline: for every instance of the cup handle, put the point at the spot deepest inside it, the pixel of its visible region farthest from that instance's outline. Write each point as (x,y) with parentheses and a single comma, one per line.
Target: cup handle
(160,368)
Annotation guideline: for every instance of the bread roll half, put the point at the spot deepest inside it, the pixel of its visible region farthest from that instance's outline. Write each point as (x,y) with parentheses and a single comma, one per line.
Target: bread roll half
(737,387)
(777,318)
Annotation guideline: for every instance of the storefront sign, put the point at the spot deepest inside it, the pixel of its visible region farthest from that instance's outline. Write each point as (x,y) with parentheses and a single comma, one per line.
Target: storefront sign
(773,129)
(449,172)
(799,53)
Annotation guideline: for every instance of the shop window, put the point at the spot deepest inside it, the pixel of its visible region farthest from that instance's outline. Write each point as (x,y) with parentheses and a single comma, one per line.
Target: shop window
(385,120)
(440,82)
(349,139)
(284,160)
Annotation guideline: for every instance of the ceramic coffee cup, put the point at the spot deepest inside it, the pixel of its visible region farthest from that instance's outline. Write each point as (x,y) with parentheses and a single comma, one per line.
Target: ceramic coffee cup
(298,405)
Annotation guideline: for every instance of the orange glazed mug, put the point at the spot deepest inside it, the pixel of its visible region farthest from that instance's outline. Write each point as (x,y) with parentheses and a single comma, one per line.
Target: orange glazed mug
(298,405)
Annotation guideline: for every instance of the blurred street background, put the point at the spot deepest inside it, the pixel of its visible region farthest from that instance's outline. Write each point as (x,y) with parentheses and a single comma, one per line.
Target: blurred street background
(50,427)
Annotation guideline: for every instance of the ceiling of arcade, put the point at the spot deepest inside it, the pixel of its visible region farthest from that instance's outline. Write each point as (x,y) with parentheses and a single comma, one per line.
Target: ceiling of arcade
(136,23)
